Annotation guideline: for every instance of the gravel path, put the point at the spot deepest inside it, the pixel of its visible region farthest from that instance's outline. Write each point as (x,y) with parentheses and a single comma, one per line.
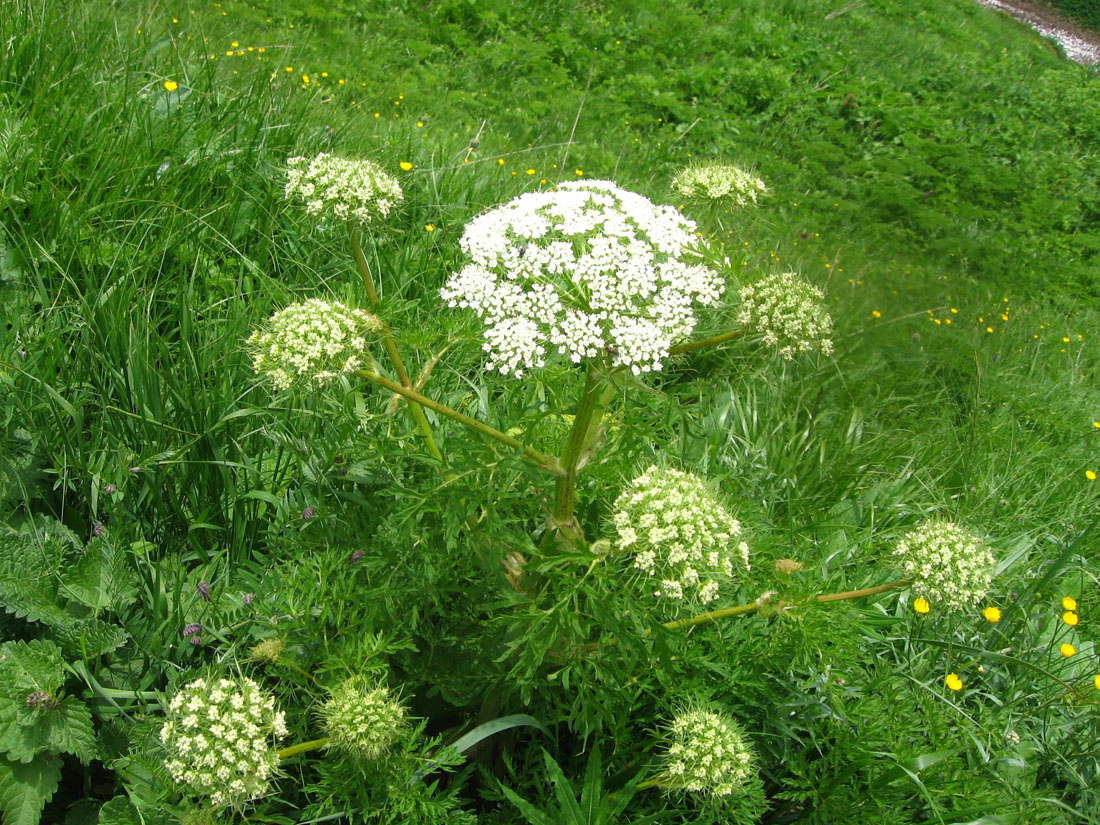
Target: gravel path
(1080,44)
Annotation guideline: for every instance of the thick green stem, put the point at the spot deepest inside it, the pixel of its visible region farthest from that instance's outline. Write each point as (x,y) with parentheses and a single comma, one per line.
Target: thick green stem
(302,747)
(714,340)
(390,344)
(546,462)
(650,783)
(587,416)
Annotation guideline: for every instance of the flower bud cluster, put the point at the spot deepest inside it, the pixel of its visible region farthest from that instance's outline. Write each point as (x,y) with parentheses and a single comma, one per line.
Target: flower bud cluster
(220,736)
(315,340)
(681,533)
(333,187)
(362,717)
(948,564)
(730,184)
(586,269)
(708,753)
(790,312)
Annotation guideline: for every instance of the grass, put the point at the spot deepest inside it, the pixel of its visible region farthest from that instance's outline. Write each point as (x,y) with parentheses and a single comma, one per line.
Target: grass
(933,168)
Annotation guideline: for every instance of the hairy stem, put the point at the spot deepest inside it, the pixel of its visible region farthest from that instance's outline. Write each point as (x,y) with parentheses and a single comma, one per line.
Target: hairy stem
(546,462)
(302,747)
(390,344)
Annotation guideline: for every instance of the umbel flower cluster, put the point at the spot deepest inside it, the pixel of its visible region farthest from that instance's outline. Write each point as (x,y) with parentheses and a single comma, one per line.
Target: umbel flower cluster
(220,737)
(708,754)
(362,718)
(333,187)
(586,269)
(790,312)
(948,565)
(729,184)
(316,341)
(681,533)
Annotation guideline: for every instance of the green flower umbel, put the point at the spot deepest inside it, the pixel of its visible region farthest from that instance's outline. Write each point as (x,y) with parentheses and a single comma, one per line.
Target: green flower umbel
(682,536)
(220,736)
(708,754)
(362,717)
(312,341)
(789,312)
(949,565)
(333,187)
(714,182)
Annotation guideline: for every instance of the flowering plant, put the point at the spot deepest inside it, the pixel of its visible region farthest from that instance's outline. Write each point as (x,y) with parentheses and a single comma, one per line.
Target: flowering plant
(729,184)
(586,269)
(789,312)
(220,737)
(708,754)
(362,718)
(356,190)
(947,563)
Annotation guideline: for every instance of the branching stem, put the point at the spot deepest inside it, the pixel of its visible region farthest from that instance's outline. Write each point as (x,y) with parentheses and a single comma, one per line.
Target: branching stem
(302,747)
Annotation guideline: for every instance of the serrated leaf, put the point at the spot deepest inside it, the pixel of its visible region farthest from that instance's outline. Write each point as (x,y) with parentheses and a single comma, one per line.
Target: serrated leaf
(118,811)
(26,788)
(101,579)
(30,666)
(71,729)
(38,551)
(89,638)
(21,742)
(25,731)
(29,601)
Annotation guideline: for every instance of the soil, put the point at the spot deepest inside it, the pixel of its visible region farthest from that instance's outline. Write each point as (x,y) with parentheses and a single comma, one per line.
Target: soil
(1079,43)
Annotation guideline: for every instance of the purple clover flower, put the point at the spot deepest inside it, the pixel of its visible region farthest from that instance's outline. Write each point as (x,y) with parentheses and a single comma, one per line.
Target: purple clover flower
(358,554)
(98,530)
(195,640)
(248,597)
(204,590)
(192,629)
(307,513)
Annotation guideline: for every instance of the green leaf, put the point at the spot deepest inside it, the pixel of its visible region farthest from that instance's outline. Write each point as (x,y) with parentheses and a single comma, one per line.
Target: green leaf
(71,729)
(27,600)
(563,790)
(30,666)
(25,789)
(102,578)
(89,638)
(119,811)
(529,811)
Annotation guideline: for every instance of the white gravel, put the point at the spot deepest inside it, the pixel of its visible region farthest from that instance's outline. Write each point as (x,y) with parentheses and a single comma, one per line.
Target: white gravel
(1076,49)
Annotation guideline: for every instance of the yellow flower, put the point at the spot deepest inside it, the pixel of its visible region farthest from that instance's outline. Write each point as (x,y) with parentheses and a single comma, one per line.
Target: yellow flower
(875,313)
(1090,475)
(500,161)
(234,44)
(992,614)
(1096,681)
(953,681)
(989,329)
(1069,603)
(1070,618)
(1067,650)
(954,311)
(921,605)
(1096,424)
(289,69)
(171,85)
(1065,340)
(430,227)
(405,166)
(305,78)
(530,171)
(578,172)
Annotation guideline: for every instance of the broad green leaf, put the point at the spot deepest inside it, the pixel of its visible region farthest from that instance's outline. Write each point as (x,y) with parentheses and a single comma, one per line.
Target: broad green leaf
(101,579)
(30,666)
(563,790)
(28,600)
(119,811)
(71,729)
(89,638)
(25,789)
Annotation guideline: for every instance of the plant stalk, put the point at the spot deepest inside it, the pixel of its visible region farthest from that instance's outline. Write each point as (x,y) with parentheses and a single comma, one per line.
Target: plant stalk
(546,462)
(302,747)
(588,416)
(714,340)
(390,344)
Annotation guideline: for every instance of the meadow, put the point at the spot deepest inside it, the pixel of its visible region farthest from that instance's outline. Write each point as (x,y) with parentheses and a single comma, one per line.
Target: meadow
(425,572)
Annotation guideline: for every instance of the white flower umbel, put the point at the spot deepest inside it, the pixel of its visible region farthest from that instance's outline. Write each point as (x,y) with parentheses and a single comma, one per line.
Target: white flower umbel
(332,187)
(708,754)
(314,341)
(584,270)
(220,736)
(789,312)
(681,536)
(729,184)
(948,565)
(362,717)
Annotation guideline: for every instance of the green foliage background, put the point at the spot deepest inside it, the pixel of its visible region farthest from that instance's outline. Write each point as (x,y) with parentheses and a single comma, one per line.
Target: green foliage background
(932,166)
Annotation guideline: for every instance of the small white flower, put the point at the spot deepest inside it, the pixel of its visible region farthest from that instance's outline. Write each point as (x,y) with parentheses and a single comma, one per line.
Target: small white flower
(680,533)
(363,718)
(789,312)
(707,753)
(949,565)
(228,764)
(332,187)
(585,270)
(715,182)
(315,340)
